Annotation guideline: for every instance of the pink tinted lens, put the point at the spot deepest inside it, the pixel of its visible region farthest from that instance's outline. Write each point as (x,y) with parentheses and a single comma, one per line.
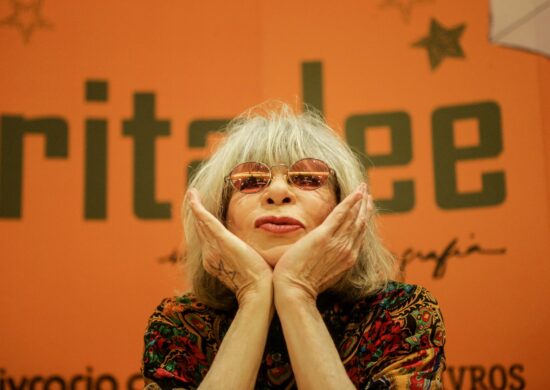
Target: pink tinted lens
(250,177)
(309,173)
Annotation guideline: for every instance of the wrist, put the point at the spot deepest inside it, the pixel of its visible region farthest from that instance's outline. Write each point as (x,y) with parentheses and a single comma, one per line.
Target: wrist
(258,294)
(289,294)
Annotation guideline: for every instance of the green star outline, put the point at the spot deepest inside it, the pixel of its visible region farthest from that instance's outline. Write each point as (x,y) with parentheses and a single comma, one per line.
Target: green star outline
(15,18)
(442,43)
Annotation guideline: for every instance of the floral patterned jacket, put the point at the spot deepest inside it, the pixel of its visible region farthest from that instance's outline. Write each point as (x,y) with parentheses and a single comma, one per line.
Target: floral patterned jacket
(393,339)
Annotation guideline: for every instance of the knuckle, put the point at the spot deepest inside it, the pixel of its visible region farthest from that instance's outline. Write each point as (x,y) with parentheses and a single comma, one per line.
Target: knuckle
(347,250)
(338,244)
(320,235)
(350,261)
(340,213)
(207,265)
(370,205)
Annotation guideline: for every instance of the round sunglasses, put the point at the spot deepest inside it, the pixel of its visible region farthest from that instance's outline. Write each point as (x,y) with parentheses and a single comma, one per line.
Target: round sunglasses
(307,174)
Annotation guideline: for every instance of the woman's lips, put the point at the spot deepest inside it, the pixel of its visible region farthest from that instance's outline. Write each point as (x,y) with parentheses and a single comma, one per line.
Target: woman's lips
(274,224)
(271,227)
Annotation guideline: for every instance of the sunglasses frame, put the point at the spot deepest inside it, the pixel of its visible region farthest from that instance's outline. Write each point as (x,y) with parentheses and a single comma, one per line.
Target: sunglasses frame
(331,172)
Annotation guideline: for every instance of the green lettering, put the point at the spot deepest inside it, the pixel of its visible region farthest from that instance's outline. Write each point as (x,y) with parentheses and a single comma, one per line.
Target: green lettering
(12,131)
(95,168)
(198,133)
(144,128)
(399,125)
(312,85)
(447,155)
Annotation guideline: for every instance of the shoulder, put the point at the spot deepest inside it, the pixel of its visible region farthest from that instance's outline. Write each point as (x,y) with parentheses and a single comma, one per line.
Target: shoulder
(185,314)
(407,311)
(397,295)
(180,341)
(171,309)
(402,337)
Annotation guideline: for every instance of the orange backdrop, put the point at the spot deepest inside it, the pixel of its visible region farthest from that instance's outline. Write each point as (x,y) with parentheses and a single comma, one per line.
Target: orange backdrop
(82,267)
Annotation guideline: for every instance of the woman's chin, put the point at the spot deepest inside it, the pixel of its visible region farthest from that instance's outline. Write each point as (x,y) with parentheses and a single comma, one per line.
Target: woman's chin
(272,255)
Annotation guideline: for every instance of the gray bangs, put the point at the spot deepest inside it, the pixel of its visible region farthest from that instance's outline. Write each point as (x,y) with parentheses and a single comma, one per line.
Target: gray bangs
(281,138)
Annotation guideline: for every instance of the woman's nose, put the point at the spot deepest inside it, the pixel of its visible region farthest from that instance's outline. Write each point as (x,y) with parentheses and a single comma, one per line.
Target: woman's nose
(279,191)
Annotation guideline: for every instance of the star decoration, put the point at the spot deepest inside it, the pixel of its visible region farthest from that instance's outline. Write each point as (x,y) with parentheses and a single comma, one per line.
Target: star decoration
(26,17)
(442,43)
(404,6)
(228,273)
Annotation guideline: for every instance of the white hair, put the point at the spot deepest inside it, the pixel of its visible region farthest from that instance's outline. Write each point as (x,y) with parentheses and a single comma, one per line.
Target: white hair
(281,136)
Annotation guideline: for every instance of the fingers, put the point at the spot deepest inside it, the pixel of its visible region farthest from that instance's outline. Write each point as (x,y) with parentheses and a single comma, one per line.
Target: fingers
(210,230)
(195,205)
(354,216)
(344,213)
(362,216)
(195,202)
(362,223)
(203,217)
(355,222)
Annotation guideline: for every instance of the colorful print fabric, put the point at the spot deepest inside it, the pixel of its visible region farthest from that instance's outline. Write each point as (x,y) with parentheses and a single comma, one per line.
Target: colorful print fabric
(393,339)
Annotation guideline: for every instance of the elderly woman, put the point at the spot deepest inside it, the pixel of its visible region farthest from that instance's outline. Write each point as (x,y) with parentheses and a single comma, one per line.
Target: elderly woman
(291,285)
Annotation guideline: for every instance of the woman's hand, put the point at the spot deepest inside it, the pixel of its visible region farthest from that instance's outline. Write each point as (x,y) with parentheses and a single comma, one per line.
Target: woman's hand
(320,258)
(228,258)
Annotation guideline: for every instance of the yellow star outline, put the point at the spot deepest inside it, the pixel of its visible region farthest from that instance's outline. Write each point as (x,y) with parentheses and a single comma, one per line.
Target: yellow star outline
(404,6)
(442,42)
(26,17)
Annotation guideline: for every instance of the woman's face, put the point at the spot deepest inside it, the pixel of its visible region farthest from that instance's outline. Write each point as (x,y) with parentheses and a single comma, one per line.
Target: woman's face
(276,217)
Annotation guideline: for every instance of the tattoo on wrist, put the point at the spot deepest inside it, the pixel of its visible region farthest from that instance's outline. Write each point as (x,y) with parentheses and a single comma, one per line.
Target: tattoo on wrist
(226,274)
